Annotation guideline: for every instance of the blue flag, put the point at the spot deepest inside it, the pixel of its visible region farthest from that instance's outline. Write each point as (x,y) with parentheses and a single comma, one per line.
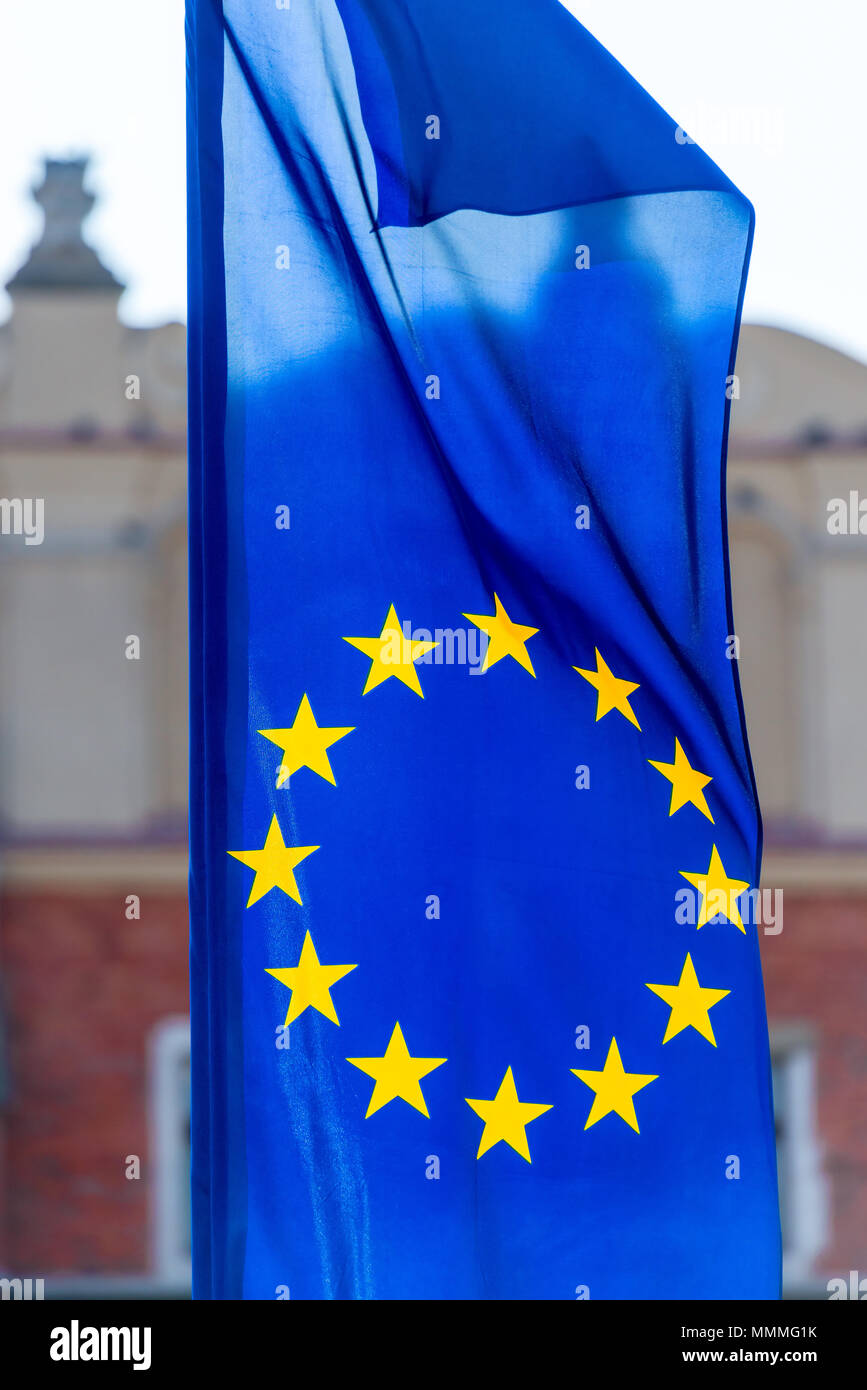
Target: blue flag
(476,994)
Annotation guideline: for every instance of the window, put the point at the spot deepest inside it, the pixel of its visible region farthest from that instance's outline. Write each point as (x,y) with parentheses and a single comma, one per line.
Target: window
(170,1150)
(803,1190)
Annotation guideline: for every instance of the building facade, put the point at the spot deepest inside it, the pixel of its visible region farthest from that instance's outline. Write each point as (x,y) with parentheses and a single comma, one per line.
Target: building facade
(94,1038)
(799,578)
(93,760)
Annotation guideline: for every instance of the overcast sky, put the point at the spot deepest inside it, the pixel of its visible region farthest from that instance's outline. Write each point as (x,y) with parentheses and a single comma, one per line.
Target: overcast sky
(773,90)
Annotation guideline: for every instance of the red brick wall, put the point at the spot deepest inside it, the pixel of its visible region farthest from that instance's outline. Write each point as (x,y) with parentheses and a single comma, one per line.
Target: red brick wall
(816,972)
(83,987)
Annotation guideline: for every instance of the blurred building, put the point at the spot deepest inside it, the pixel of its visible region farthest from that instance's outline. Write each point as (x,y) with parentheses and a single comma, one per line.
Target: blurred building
(94,1041)
(92,775)
(798,460)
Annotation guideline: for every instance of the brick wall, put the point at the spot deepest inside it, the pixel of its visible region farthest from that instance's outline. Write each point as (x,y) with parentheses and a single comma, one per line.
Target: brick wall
(83,987)
(816,973)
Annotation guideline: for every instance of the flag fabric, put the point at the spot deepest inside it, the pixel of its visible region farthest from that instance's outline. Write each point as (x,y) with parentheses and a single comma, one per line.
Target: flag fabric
(477,1008)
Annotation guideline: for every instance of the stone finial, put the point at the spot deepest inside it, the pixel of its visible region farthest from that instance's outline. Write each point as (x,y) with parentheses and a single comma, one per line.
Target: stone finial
(62,259)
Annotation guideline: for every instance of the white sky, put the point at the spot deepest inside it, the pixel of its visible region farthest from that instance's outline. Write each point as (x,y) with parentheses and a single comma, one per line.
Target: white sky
(773,90)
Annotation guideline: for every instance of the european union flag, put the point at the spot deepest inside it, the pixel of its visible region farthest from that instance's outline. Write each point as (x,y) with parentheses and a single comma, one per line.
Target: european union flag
(477,1000)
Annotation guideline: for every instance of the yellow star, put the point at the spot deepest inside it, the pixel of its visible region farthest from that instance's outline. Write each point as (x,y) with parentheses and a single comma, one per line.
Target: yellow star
(614,1089)
(305,744)
(310,983)
(686,782)
(274,864)
(719,893)
(505,637)
(690,1004)
(613,693)
(397,1074)
(506,1118)
(391,654)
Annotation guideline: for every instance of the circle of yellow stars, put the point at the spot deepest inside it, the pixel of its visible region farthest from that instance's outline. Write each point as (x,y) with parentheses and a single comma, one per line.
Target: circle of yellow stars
(398,1074)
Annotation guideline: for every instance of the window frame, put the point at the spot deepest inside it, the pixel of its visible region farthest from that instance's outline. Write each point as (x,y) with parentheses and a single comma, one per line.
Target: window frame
(799,1156)
(169,1215)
